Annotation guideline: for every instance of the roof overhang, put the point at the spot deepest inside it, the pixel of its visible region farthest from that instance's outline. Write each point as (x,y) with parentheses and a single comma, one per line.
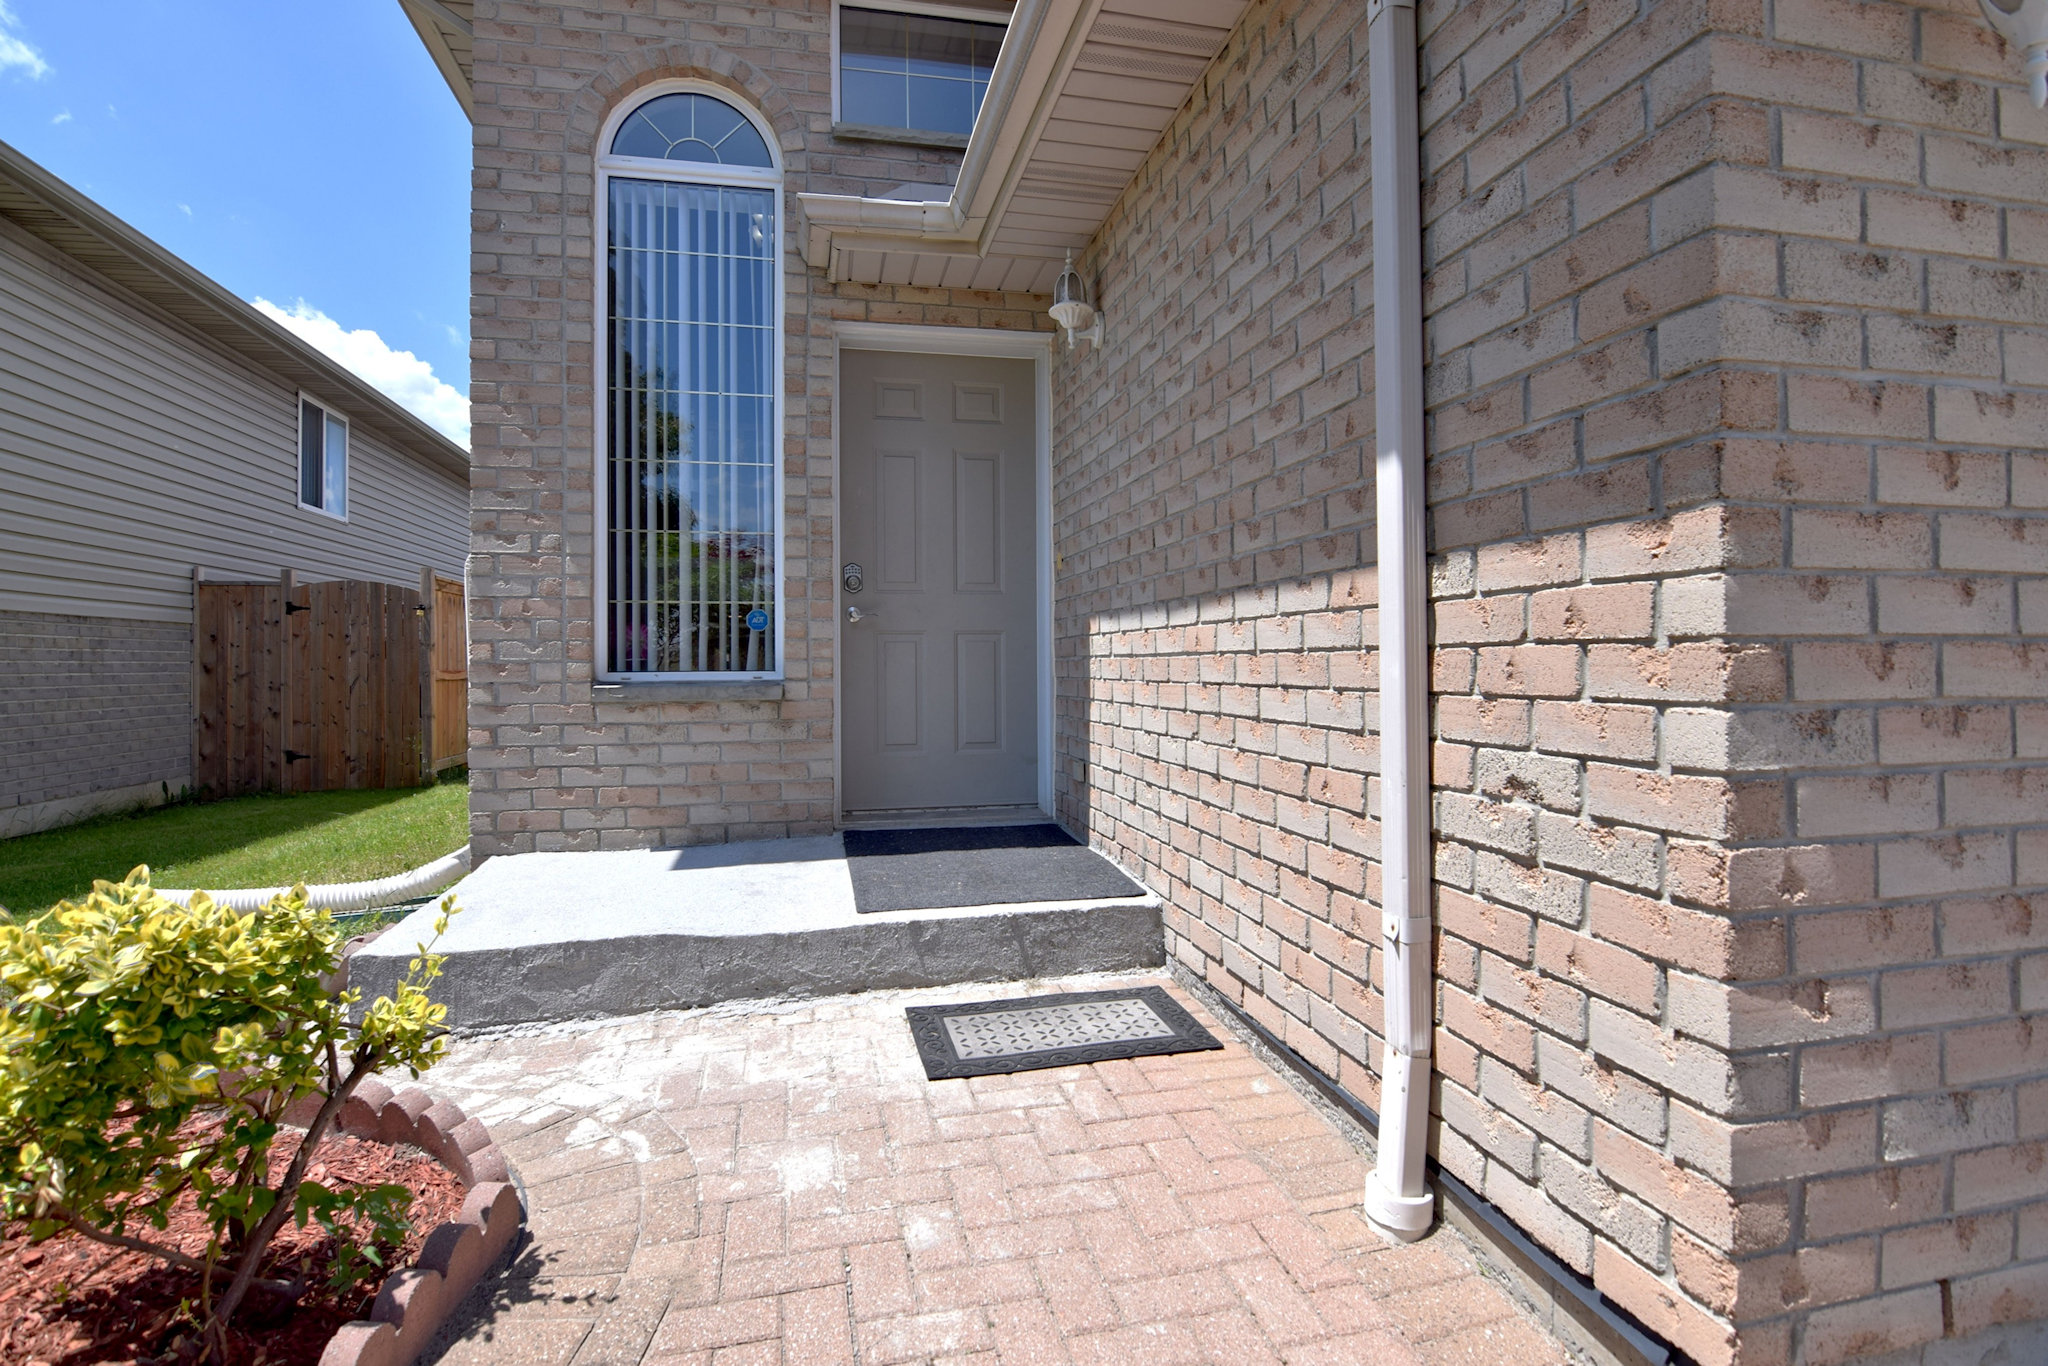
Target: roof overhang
(46,208)
(447,28)
(1081,92)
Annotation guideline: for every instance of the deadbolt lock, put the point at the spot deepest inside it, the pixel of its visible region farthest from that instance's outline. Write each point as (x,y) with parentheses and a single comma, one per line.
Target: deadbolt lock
(851,577)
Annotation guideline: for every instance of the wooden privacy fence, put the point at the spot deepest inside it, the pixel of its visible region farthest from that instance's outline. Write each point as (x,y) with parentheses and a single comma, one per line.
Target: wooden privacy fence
(309,687)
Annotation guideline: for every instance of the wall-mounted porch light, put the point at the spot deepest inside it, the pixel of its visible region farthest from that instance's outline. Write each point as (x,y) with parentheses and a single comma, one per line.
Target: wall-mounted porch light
(1072,311)
(2024,24)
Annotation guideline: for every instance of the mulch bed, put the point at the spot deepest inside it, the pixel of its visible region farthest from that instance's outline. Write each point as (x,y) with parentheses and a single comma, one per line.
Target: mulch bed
(74,1302)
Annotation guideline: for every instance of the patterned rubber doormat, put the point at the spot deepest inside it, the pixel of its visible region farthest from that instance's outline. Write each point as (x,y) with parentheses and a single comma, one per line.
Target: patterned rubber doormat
(1030,1032)
(981,865)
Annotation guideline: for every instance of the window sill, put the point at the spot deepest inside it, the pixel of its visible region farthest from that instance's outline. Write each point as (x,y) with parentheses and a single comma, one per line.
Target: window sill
(909,137)
(653,694)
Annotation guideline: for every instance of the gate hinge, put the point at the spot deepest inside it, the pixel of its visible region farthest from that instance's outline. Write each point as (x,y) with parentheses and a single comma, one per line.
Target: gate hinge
(292,756)
(291,607)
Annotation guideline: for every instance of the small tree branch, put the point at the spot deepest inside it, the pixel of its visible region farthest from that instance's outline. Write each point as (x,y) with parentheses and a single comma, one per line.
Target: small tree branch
(122,1240)
(287,1189)
(130,1243)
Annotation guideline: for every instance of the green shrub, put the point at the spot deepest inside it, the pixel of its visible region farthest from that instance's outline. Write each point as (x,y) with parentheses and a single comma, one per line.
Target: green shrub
(124,1015)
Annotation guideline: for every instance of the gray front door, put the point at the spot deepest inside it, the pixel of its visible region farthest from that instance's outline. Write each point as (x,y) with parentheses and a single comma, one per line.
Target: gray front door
(939,509)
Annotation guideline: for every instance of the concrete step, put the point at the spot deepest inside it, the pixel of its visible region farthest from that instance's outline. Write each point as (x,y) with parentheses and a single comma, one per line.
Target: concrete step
(572,936)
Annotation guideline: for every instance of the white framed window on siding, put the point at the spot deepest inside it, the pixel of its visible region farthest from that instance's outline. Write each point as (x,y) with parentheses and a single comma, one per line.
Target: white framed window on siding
(323,459)
(690,377)
(918,67)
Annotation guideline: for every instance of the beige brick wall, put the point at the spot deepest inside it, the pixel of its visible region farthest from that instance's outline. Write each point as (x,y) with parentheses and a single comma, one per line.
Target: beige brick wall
(1735,360)
(550,768)
(1212,512)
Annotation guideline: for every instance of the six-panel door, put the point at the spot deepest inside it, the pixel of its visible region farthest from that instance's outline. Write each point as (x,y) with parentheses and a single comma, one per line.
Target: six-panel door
(938,507)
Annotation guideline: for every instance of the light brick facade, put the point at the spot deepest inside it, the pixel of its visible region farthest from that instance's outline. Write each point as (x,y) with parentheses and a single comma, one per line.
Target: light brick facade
(1736,511)
(1738,377)
(551,766)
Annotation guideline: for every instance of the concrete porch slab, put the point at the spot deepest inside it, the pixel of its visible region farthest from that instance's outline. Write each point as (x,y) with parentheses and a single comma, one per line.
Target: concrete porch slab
(576,936)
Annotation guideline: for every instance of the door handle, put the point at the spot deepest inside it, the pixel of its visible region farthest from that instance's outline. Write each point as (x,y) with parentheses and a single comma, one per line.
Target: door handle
(854,614)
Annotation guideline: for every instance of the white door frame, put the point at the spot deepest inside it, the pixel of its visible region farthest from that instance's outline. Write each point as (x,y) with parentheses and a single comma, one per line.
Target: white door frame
(1036,347)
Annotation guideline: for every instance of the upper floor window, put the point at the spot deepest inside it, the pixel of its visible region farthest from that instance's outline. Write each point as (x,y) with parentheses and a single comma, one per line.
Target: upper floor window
(689,365)
(921,68)
(323,459)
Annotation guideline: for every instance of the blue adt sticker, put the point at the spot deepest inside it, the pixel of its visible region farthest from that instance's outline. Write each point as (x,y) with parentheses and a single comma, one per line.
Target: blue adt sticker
(757,620)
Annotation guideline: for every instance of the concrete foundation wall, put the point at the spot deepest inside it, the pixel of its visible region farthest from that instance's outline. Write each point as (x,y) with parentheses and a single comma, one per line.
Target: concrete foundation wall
(552,766)
(92,710)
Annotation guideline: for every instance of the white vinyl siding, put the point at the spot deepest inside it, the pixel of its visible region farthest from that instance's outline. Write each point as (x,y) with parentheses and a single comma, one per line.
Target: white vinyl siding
(131,450)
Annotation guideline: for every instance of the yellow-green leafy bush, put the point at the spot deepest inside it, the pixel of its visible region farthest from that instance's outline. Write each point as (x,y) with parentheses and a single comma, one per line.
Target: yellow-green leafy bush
(124,1015)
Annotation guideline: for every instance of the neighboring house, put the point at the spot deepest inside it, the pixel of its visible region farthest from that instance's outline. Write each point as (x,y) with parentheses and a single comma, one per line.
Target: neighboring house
(1736,364)
(151,425)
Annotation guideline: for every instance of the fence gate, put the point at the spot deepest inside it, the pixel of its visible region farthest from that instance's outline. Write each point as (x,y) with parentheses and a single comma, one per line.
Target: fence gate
(448,701)
(308,687)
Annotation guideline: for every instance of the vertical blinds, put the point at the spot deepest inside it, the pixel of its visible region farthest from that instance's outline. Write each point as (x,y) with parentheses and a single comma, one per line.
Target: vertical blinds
(691,458)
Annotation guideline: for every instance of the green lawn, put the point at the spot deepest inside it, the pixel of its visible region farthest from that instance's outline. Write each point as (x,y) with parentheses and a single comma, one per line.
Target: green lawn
(259,841)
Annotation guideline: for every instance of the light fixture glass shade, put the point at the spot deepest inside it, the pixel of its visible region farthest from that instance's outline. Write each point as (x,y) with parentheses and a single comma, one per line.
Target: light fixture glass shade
(1070,306)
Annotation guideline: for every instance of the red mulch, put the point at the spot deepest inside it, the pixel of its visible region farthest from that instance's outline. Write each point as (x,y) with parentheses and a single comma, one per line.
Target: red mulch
(74,1302)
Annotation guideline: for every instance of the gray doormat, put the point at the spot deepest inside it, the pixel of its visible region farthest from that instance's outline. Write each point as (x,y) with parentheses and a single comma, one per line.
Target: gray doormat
(1029,1032)
(982,865)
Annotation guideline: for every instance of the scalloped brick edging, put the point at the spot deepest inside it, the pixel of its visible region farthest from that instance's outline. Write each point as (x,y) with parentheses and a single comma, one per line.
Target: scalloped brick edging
(415,1301)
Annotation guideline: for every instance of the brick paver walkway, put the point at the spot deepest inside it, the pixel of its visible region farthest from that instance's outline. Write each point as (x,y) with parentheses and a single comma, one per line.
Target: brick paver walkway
(780,1184)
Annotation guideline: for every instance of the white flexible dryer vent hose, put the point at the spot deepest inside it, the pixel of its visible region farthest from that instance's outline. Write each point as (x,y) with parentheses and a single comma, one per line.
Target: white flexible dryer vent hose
(349,896)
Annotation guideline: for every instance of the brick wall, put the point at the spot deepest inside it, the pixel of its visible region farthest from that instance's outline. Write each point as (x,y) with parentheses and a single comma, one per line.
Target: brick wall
(551,768)
(1212,516)
(91,705)
(1734,367)
(1907,753)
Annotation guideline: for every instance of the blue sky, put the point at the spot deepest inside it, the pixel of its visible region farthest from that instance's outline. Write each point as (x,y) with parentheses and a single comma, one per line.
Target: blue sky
(306,154)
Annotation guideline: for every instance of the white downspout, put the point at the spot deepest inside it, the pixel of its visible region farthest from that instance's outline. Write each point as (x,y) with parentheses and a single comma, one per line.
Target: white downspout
(1398,1201)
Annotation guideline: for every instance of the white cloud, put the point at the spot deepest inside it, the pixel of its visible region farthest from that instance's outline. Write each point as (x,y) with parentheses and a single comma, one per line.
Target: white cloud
(64,117)
(406,378)
(185,209)
(18,54)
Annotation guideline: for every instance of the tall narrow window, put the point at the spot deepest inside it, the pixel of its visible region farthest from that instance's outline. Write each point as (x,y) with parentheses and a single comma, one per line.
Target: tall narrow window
(690,355)
(323,459)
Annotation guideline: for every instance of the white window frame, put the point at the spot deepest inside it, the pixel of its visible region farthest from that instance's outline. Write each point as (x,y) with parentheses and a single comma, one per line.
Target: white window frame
(689,173)
(930,9)
(328,412)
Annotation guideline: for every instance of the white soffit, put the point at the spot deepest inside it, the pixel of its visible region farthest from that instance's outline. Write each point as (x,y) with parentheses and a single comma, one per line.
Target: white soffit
(1081,93)
(445,26)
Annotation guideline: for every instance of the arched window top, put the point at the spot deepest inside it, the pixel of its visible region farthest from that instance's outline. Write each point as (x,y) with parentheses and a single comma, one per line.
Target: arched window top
(691,127)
